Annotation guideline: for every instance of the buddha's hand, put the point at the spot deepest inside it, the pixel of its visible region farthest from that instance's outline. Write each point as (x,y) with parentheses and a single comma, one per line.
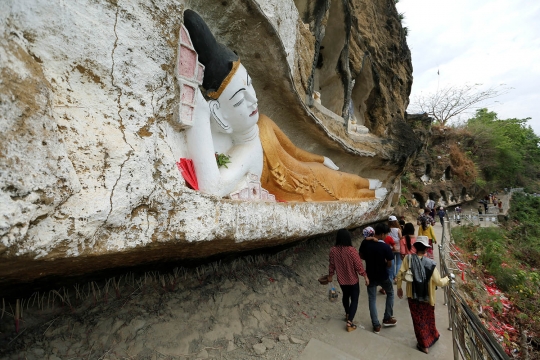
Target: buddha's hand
(201,114)
(330,164)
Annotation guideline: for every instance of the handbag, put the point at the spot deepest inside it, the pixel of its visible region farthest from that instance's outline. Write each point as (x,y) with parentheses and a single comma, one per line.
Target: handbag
(408,274)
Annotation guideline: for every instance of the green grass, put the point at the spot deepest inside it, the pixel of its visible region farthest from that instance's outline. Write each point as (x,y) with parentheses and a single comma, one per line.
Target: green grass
(511,255)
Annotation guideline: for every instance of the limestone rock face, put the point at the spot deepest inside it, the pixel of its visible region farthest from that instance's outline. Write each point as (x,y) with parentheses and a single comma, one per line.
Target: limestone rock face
(436,173)
(88,139)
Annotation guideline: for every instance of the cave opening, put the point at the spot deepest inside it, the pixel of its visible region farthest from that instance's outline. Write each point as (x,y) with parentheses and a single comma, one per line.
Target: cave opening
(448,173)
(420,198)
(443,195)
(428,169)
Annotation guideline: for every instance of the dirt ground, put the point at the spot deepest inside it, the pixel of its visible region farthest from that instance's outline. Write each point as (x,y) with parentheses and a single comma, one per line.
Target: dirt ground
(265,306)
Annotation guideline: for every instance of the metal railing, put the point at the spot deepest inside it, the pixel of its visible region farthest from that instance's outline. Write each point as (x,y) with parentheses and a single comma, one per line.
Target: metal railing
(472,217)
(470,338)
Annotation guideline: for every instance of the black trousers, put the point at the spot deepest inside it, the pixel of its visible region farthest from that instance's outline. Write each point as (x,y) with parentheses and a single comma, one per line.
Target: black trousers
(350,299)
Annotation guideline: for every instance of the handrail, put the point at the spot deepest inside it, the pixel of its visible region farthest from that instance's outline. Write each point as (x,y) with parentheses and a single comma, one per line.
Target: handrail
(470,338)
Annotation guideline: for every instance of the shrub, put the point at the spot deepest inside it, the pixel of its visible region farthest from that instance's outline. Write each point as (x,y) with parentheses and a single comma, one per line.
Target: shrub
(405,178)
(402,201)
(462,166)
(481,183)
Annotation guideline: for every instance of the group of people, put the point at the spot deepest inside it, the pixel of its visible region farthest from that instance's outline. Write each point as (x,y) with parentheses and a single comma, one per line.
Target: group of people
(431,212)
(389,251)
(489,199)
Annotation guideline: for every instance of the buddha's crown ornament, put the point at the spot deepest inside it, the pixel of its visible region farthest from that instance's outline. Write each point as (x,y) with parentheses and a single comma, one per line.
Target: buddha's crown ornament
(220,62)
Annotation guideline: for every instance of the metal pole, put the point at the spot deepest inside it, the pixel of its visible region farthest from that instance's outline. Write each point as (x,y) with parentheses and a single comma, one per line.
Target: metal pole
(451,315)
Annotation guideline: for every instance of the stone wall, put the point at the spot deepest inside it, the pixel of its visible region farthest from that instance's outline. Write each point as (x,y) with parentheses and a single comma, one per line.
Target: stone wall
(88,140)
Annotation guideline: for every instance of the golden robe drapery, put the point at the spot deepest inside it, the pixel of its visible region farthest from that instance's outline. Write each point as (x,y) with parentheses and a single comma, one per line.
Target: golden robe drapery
(293,174)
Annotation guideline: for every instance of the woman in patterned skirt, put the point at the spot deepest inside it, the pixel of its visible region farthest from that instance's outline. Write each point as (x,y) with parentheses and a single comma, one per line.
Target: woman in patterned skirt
(421,293)
(345,261)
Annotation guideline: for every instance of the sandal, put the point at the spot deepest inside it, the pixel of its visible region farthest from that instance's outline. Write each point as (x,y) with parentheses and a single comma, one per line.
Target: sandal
(424,350)
(351,326)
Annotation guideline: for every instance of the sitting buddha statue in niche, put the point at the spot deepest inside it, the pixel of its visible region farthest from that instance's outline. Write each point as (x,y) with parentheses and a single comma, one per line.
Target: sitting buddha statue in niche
(229,123)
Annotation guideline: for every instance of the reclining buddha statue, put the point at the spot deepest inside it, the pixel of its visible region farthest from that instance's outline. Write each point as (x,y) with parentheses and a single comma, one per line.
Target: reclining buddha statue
(229,122)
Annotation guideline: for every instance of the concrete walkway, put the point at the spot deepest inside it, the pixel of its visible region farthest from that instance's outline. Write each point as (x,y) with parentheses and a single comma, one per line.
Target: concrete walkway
(470,214)
(397,342)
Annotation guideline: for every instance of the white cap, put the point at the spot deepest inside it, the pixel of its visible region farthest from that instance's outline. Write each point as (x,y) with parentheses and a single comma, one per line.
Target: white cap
(392,218)
(424,240)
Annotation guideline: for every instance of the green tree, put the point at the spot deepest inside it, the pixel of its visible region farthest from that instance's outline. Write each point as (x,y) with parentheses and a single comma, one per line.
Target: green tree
(506,151)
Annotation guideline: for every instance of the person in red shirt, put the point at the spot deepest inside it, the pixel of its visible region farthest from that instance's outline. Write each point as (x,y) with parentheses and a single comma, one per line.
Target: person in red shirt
(345,262)
(406,243)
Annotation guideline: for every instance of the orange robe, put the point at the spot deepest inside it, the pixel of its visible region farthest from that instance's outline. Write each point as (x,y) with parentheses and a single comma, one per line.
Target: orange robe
(293,174)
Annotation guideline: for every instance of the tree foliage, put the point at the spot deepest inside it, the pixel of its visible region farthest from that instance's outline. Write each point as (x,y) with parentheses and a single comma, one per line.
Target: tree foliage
(451,101)
(507,152)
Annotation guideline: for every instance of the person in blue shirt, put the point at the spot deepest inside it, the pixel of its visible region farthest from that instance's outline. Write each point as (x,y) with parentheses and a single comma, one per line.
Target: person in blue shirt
(441,214)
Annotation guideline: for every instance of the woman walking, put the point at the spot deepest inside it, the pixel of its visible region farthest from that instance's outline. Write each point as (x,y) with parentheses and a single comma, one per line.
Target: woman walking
(406,242)
(425,229)
(345,261)
(421,293)
(395,233)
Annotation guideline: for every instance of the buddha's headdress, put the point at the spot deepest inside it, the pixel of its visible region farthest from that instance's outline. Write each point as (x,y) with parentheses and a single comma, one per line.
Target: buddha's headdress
(220,62)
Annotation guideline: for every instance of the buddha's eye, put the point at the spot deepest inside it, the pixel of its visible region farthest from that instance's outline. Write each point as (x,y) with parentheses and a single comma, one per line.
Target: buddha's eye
(238,103)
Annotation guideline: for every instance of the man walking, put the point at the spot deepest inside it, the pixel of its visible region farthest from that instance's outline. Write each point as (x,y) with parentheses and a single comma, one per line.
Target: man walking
(378,257)
(441,214)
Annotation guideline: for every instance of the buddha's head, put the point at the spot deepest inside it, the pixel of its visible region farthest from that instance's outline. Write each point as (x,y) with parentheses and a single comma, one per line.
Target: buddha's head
(236,107)
(233,102)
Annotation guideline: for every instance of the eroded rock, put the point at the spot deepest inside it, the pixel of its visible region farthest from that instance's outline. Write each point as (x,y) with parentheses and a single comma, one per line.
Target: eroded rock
(89,143)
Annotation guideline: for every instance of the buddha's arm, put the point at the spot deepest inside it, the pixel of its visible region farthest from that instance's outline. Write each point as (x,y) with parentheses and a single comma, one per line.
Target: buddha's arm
(201,147)
(244,159)
(291,149)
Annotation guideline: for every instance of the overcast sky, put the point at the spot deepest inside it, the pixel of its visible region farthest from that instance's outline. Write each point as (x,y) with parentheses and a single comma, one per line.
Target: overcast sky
(477,41)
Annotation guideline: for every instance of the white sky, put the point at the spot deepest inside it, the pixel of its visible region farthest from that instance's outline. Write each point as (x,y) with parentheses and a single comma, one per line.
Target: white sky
(478,41)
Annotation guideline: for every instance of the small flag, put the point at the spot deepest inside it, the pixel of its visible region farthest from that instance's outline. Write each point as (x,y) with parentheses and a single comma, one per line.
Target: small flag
(437,71)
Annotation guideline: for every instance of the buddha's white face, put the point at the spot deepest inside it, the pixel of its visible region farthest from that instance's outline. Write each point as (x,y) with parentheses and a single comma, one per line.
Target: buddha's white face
(238,102)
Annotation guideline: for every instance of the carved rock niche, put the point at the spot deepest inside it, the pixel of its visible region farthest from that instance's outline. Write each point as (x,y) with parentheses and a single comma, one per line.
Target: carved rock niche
(327,79)
(363,86)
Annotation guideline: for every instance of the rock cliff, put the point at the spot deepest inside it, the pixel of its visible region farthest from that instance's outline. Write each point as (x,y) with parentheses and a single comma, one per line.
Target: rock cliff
(441,171)
(88,139)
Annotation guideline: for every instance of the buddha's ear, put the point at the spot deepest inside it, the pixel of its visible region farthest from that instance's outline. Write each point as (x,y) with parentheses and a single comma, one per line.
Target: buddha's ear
(218,116)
